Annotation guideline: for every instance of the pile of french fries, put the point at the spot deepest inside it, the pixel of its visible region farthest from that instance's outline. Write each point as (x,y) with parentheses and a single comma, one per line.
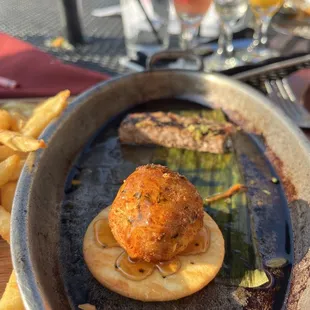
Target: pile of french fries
(18,137)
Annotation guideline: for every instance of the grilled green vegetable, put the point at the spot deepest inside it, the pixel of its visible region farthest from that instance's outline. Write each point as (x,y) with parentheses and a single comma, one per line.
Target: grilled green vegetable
(211,174)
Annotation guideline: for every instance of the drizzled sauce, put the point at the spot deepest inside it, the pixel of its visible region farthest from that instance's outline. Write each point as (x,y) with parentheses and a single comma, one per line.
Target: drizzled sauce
(139,270)
(104,234)
(133,270)
(169,268)
(200,244)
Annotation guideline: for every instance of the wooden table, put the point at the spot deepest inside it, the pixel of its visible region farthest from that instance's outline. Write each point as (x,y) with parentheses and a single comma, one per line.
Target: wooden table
(5,264)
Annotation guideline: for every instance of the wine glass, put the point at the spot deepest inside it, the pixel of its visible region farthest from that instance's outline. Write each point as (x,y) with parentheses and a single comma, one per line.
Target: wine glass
(230,12)
(263,11)
(190,13)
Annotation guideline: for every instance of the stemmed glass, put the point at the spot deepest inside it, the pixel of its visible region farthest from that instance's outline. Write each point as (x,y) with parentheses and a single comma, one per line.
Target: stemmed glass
(190,13)
(230,12)
(263,11)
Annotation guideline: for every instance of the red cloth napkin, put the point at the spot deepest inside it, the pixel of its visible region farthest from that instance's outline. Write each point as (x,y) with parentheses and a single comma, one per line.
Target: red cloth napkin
(38,73)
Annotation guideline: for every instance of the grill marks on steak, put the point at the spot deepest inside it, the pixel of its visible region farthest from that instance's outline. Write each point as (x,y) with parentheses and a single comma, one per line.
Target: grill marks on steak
(173,130)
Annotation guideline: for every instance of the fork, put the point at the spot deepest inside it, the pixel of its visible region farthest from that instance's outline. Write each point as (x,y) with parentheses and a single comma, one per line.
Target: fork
(279,91)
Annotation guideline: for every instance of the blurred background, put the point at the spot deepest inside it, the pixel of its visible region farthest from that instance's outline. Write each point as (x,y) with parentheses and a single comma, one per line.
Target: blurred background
(114,37)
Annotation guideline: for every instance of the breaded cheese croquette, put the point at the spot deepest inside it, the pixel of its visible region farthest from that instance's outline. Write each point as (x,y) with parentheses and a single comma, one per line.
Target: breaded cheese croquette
(156,214)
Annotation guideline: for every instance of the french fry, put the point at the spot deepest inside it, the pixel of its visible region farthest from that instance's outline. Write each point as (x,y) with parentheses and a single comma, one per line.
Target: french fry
(45,113)
(16,174)
(11,298)
(18,121)
(19,142)
(5,120)
(7,169)
(6,152)
(5,223)
(18,137)
(7,195)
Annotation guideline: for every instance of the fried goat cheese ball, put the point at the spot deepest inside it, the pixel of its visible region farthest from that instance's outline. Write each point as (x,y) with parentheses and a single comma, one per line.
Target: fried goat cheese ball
(156,214)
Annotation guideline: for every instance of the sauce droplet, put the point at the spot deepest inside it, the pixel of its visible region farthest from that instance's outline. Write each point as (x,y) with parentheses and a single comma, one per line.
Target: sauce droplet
(132,270)
(104,234)
(169,268)
(200,244)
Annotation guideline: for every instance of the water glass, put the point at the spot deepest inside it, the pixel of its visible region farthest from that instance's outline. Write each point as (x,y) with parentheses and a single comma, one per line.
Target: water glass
(230,13)
(145,25)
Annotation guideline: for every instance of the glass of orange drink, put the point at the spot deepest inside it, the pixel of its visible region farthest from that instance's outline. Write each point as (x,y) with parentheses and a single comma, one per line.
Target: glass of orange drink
(263,11)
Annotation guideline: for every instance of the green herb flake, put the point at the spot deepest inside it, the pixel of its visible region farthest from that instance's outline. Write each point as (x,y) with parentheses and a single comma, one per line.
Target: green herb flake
(274,180)
(198,130)
(197,135)
(266,192)
(204,129)
(191,128)
(228,200)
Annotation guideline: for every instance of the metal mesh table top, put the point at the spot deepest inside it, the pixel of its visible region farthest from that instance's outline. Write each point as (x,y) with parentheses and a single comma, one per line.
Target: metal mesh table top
(36,21)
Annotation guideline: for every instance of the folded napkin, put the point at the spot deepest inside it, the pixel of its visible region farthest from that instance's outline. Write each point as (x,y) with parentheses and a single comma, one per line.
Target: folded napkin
(39,74)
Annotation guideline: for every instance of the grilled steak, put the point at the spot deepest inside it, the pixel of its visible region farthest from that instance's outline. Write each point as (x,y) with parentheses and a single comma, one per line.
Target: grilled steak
(172,130)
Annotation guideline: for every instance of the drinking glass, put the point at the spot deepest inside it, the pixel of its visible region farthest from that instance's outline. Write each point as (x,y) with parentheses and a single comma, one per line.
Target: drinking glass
(145,25)
(230,12)
(263,11)
(190,13)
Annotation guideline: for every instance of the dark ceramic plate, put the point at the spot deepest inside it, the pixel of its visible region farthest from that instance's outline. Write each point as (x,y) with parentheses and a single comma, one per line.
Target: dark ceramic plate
(50,216)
